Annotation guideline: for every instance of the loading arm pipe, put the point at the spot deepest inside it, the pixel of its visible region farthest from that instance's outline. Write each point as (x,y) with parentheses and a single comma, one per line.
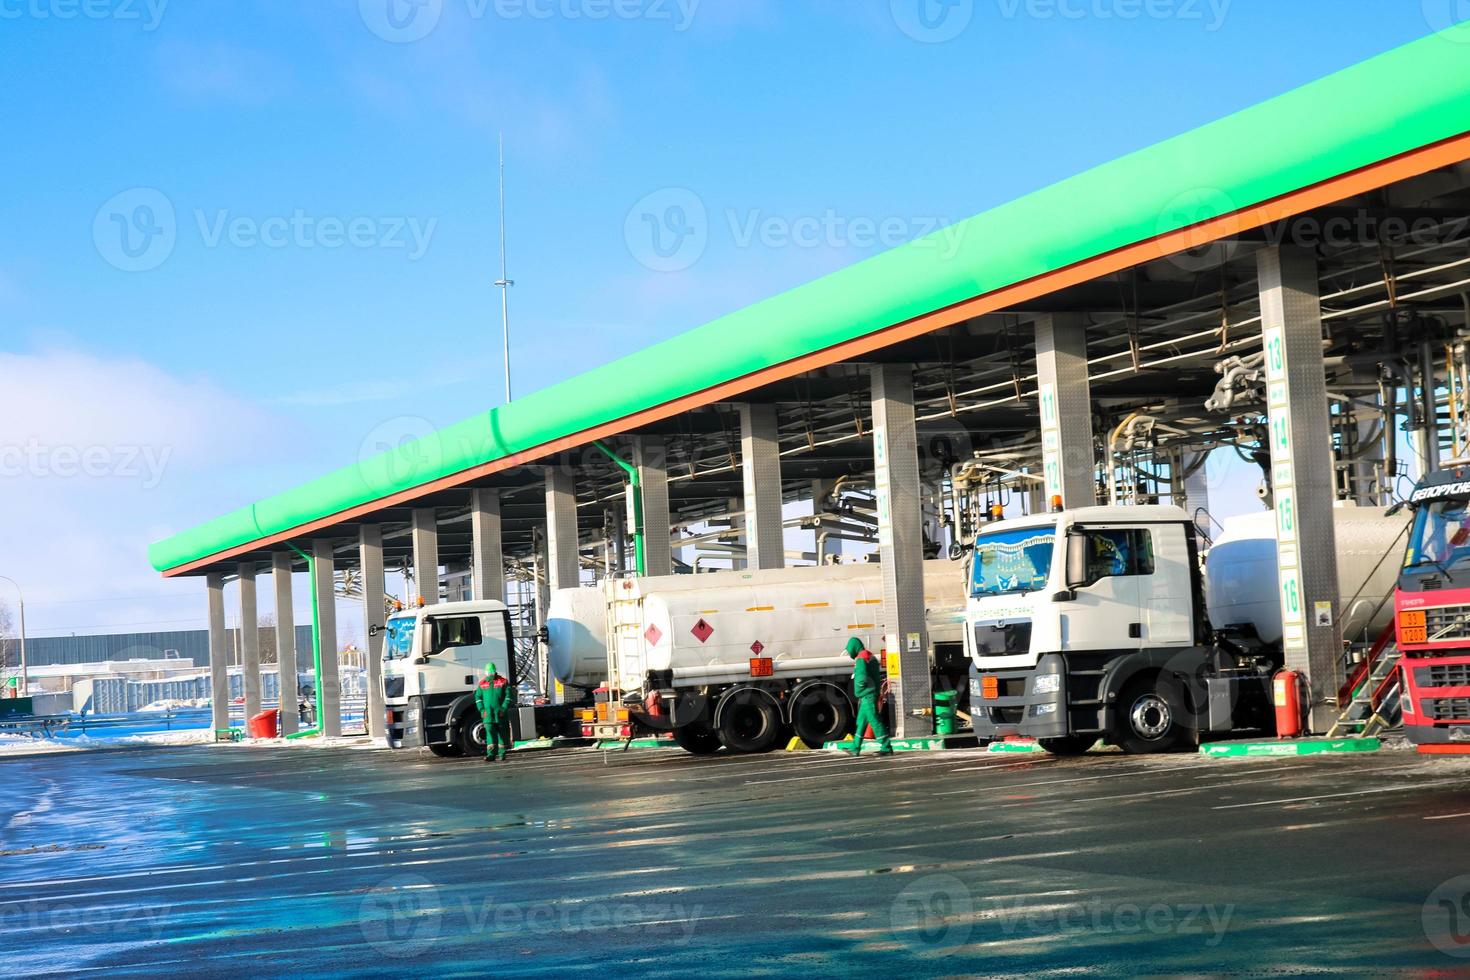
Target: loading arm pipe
(635,487)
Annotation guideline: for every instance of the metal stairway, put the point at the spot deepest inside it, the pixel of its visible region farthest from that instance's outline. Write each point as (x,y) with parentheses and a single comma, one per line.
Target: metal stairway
(1370,698)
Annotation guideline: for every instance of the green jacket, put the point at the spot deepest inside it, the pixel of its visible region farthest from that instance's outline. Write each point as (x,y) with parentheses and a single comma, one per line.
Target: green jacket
(493,698)
(865,676)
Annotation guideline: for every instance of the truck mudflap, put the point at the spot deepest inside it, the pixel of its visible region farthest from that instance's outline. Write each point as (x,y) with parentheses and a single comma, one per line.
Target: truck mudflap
(1030,702)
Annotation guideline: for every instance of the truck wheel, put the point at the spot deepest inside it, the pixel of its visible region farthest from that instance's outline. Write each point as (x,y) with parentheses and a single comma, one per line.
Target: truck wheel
(696,741)
(821,715)
(1149,717)
(1068,744)
(750,722)
(446,750)
(471,736)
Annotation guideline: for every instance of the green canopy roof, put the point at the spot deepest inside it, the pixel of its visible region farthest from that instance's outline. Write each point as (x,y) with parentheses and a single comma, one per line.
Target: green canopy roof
(1398,102)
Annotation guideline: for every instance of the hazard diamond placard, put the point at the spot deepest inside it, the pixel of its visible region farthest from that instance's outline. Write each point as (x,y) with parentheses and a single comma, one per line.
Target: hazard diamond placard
(702,631)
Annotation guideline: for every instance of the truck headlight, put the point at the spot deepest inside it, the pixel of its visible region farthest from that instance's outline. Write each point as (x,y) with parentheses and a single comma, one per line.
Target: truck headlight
(1045,709)
(1047,684)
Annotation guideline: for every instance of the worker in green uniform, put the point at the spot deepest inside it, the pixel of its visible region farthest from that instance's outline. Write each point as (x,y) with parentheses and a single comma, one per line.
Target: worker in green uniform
(493,699)
(865,688)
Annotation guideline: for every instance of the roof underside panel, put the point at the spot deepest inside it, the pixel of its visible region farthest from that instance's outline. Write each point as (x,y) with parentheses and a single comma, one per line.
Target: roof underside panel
(1401,101)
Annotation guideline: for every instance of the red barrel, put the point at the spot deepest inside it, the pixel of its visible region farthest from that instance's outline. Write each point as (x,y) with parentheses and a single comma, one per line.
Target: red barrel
(266,724)
(1288,693)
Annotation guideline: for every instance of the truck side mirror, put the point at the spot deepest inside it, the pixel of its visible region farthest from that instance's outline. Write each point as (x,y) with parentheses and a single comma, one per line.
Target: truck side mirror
(1076,560)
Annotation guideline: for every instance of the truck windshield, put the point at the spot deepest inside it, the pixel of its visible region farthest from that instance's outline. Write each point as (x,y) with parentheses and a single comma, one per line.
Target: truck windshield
(1441,536)
(1009,562)
(400,638)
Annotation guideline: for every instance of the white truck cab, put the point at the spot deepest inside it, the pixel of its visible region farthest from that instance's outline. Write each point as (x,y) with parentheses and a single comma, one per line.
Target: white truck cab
(433,659)
(1090,623)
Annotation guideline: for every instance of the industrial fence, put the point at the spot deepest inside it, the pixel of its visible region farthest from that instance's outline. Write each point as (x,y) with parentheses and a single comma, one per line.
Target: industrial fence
(118,695)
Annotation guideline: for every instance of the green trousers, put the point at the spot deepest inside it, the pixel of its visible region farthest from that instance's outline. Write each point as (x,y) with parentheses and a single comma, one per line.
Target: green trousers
(868,714)
(497,737)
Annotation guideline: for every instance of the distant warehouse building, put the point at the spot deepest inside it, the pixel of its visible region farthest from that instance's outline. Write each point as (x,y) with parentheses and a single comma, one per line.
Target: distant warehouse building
(191,645)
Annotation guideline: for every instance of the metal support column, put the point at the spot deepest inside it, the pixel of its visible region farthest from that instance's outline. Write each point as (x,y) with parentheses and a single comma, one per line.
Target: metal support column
(330,723)
(374,614)
(1069,461)
(1301,472)
(828,548)
(426,554)
(650,456)
(1193,492)
(487,562)
(562,567)
(285,642)
(249,640)
(901,547)
(219,653)
(760,467)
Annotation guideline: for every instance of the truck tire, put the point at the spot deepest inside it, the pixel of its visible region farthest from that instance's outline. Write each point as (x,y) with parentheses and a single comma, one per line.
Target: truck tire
(750,722)
(1067,745)
(1149,717)
(447,750)
(471,736)
(696,740)
(820,715)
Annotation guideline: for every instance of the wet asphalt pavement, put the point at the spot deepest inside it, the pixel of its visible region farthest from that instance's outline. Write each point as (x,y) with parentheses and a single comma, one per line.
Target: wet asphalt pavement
(238,860)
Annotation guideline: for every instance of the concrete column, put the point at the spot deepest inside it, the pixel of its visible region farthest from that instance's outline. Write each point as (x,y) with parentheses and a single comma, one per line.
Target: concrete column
(562,566)
(1068,457)
(426,554)
(249,639)
(650,456)
(285,641)
(374,614)
(487,562)
(760,467)
(326,601)
(901,547)
(219,652)
(1301,471)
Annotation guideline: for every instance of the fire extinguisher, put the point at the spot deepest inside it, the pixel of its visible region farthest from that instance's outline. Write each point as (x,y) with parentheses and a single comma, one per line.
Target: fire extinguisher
(1289,693)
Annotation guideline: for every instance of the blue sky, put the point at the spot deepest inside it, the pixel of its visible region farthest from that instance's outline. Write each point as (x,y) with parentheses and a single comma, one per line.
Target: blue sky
(308,194)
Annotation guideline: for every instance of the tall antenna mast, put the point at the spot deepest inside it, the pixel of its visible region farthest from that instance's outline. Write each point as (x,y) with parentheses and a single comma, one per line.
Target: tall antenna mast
(504,283)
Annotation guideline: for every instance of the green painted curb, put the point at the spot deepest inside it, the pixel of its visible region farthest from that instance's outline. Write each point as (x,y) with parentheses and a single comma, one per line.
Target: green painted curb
(637,743)
(1306,746)
(1013,747)
(899,744)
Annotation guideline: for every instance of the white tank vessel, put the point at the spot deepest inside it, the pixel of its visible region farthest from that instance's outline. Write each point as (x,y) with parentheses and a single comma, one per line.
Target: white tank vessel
(1241,584)
(706,629)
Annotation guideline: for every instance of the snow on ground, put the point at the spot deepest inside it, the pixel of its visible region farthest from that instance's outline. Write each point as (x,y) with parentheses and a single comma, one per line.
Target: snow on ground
(23,745)
(17,745)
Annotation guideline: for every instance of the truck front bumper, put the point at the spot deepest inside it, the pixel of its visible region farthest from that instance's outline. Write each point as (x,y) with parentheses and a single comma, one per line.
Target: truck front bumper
(405,724)
(1030,702)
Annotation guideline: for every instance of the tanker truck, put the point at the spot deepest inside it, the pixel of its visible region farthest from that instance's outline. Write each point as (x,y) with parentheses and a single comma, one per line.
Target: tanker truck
(1098,624)
(738,659)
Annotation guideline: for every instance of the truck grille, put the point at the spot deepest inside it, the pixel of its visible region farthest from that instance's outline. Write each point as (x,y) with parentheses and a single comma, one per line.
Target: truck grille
(392,687)
(1447,623)
(1003,641)
(1443,675)
(1448,709)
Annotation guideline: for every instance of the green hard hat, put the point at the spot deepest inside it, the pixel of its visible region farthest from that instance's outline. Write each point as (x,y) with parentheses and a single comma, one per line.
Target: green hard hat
(491,670)
(855,646)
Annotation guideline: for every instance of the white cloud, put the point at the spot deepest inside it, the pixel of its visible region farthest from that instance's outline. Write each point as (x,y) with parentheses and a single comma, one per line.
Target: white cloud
(98,458)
